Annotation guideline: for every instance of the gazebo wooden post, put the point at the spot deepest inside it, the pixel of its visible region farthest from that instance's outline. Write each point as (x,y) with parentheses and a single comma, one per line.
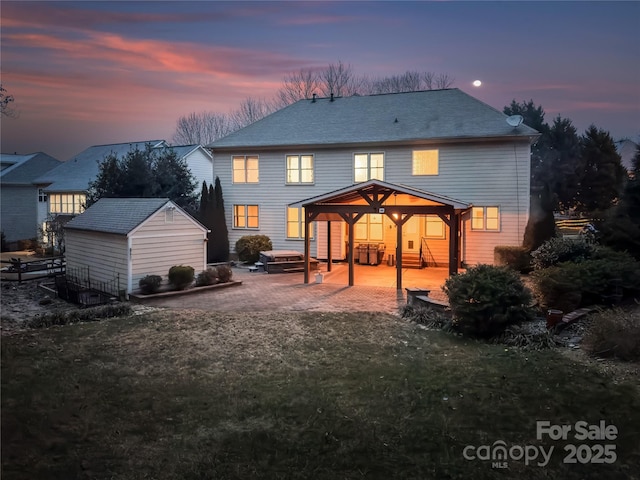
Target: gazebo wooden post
(453,243)
(307,247)
(329,256)
(399,225)
(351,256)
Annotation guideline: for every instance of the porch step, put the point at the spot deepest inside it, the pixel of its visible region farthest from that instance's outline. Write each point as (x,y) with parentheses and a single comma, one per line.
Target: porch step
(411,260)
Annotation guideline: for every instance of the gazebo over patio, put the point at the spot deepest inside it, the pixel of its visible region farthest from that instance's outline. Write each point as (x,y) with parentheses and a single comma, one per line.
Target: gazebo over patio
(399,203)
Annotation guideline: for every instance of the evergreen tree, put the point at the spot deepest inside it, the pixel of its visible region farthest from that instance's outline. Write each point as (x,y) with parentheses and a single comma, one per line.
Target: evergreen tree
(221,233)
(562,163)
(204,202)
(603,174)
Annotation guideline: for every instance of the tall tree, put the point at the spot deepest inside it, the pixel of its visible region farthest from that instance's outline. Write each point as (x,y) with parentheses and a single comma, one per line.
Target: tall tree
(148,173)
(561,165)
(220,233)
(251,110)
(603,174)
(339,79)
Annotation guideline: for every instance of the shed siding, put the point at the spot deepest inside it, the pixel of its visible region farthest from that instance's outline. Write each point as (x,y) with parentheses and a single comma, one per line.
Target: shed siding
(483,174)
(103,255)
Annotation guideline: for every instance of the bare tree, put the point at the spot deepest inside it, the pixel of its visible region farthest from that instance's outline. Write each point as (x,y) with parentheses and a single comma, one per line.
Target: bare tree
(5,100)
(251,110)
(410,81)
(338,79)
(202,128)
(296,86)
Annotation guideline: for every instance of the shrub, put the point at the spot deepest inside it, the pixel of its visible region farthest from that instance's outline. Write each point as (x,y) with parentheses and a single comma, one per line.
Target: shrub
(426,316)
(181,276)
(606,278)
(558,250)
(150,284)
(249,247)
(486,299)
(92,314)
(207,277)
(518,258)
(224,273)
(3,242)
(614,333)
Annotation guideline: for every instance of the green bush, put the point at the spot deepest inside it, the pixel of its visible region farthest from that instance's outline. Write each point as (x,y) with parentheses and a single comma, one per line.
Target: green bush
(614,333)
(606,278)
(486,299)
(559,249)
(518,258)
(92,314)
(249,247)
(181,276)
(150,284)
(224,273)
(207,277)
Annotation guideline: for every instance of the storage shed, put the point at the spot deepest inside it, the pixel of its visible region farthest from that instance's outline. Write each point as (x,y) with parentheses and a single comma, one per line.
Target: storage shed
(117,241)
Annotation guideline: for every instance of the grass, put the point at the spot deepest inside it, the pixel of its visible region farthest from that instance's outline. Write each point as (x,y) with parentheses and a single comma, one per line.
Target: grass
(195,395)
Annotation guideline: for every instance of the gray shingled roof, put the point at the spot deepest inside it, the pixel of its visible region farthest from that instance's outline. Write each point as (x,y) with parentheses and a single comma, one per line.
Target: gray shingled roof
(25,168)
(75,174)
(427,115)
(116,215)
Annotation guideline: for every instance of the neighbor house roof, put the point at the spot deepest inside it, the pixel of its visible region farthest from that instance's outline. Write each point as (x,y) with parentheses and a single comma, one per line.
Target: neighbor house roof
(75,174)
(183,151)
(23,169)
(116,215)
(432,115)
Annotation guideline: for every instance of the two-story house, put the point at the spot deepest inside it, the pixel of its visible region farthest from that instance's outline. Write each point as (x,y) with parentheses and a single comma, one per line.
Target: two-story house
(23,205)
(353,161)
(66,185)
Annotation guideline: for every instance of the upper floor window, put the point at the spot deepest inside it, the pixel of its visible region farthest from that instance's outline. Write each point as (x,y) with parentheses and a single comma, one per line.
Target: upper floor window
(295,223)
(42,196)
(245,169)
(425,162)
(485,218)
(299,168)
(72,203)
(368,166)
(246,216)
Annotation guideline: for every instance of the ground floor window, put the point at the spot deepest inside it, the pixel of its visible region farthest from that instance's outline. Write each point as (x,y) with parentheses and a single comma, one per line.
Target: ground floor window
(434,227)
(485,218)
(295,224)
(246,216)
(370,228)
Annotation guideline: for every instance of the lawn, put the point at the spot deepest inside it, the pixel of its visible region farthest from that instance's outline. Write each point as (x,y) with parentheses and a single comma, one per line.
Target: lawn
(198,395)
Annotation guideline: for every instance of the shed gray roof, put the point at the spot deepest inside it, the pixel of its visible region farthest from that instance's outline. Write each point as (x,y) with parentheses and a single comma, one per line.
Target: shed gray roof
(116,215)
(377,119)
(23,169)
(75,174)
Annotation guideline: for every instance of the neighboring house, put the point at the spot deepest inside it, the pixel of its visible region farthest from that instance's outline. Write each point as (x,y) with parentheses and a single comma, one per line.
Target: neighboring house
(627,150)
(117,241)
(438,148)
(67,184)
(23,205)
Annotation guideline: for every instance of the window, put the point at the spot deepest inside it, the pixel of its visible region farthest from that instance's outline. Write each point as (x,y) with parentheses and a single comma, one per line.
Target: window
(42,196)
(425,162)
(368,166)
(369,227)
(67,203)
(245,169)
(299,168)
(434,227)
(245,216)
(485,218)
(295,223)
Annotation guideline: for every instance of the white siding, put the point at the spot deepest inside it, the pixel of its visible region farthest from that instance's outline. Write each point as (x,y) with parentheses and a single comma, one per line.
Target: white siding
(201,167)
(19,212)
(483,174)
(156,246)
(338,235)
(101,256)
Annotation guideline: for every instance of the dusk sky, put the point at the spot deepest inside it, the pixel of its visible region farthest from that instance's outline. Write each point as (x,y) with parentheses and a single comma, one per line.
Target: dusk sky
(88,73)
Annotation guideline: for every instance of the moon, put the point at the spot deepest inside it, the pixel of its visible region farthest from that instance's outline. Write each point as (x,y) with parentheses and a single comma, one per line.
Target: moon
(477,83)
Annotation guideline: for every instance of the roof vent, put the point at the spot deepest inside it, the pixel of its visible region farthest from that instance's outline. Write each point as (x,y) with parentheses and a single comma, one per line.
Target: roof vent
(396,120)
(331,97)
(313,100)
